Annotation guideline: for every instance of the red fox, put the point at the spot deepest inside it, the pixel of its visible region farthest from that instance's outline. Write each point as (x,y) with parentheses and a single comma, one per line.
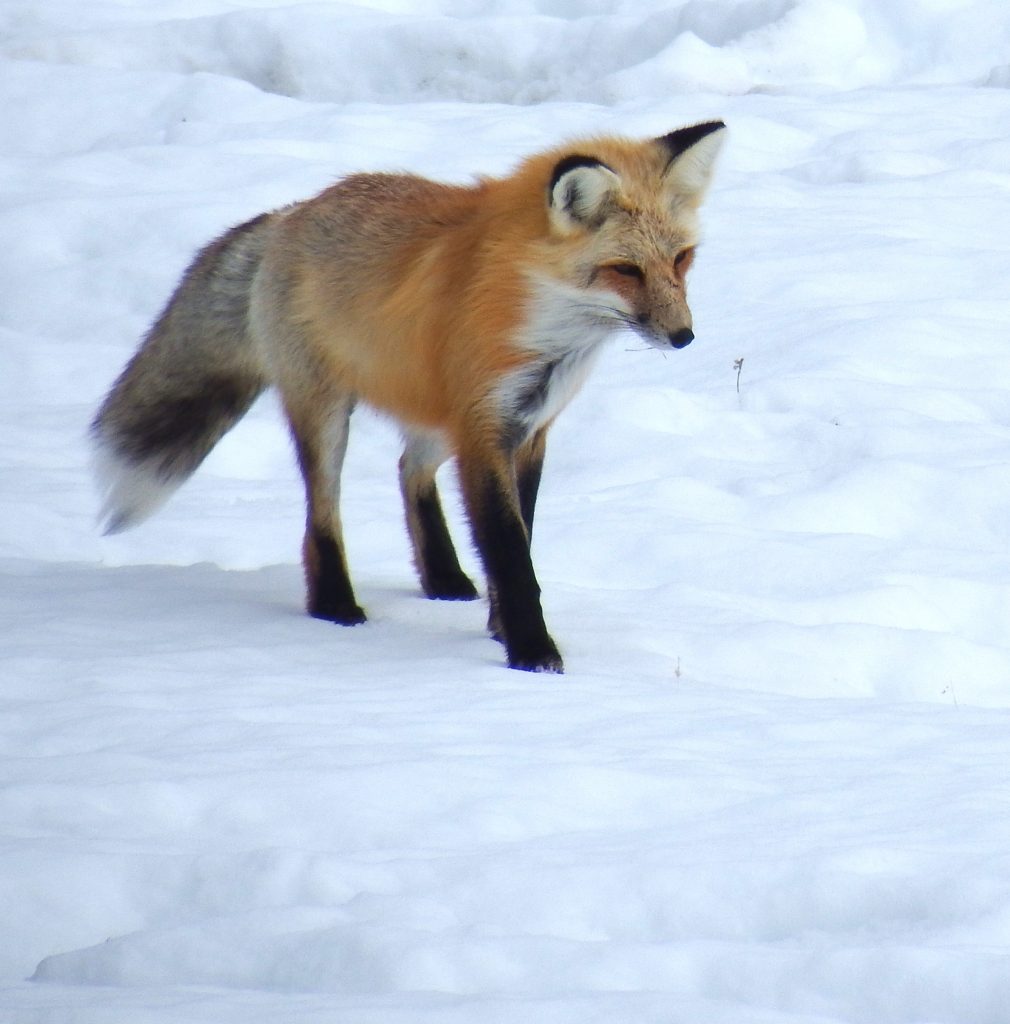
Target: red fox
(470,314)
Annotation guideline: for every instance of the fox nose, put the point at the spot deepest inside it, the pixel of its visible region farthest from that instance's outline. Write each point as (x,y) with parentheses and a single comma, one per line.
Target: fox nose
(681,338)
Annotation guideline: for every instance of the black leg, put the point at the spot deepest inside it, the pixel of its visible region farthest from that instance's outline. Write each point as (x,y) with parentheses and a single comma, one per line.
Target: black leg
(330,594)
(502,539)
(529,467)
(434,555)
(321,443)
(441,575)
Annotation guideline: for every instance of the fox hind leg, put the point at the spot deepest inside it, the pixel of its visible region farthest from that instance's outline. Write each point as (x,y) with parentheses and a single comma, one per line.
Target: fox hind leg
(434,554)
(321,443)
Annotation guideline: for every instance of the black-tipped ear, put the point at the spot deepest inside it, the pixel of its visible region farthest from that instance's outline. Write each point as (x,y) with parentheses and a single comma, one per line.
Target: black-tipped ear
(579,192)
(684,138)
(691,156)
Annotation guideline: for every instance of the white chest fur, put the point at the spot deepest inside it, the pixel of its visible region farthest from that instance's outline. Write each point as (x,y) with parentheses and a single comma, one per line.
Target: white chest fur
(563,334)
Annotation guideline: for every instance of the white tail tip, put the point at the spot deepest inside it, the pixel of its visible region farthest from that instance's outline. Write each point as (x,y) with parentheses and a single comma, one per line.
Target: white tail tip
(130,493)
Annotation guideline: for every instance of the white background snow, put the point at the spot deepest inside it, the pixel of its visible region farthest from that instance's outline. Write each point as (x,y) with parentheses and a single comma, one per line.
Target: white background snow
(773,786)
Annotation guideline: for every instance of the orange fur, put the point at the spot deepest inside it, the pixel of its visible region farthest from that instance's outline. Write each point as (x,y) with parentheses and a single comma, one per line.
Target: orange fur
(419,316)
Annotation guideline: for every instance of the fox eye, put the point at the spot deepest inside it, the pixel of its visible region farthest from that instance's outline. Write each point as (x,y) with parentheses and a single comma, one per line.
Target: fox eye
(628,270)
(683,258)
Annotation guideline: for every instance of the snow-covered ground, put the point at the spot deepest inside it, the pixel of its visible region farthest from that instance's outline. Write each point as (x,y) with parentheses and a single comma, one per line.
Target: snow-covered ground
(773,786)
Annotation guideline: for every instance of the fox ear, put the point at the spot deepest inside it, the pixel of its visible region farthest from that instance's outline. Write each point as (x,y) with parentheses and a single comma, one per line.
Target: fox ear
(580,193)
(691,156)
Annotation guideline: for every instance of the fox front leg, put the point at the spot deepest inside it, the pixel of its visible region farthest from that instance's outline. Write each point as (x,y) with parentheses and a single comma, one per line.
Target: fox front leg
(529,463)
(492,496)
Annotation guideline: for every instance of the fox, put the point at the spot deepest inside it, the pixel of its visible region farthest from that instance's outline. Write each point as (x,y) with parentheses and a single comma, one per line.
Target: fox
(471,314)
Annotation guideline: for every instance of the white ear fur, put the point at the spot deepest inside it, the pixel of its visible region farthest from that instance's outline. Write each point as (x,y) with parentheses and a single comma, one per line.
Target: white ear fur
(580,193)
(690,173)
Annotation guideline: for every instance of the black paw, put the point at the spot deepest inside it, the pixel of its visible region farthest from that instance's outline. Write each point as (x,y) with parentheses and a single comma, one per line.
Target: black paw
(446,587)
(342,614)
(540,657)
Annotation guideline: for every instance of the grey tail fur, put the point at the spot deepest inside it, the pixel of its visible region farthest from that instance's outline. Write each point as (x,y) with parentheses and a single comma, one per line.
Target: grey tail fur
(193,378)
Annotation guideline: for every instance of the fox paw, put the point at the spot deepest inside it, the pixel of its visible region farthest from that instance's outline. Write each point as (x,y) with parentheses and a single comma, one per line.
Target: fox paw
(450,588)
(542,657)
(342,614)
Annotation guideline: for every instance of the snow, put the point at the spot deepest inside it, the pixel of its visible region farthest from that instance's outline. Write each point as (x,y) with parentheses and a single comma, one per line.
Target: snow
(771,788)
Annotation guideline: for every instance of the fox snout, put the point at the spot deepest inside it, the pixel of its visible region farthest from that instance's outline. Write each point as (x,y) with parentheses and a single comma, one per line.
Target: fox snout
(660,336)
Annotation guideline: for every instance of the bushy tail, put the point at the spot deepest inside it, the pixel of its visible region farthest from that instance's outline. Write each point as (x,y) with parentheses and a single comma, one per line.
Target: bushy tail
(193,378)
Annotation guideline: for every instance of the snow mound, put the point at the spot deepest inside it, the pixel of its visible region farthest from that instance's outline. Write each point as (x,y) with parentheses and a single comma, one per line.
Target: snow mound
(534,52)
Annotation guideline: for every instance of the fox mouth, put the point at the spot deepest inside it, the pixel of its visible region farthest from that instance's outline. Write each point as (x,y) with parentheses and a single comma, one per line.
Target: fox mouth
(664,342)
(640,325)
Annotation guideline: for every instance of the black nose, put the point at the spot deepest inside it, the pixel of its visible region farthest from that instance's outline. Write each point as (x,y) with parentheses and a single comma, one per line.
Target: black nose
(682,338)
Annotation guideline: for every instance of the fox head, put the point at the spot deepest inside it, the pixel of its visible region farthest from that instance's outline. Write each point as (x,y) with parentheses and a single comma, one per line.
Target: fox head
(623,218)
